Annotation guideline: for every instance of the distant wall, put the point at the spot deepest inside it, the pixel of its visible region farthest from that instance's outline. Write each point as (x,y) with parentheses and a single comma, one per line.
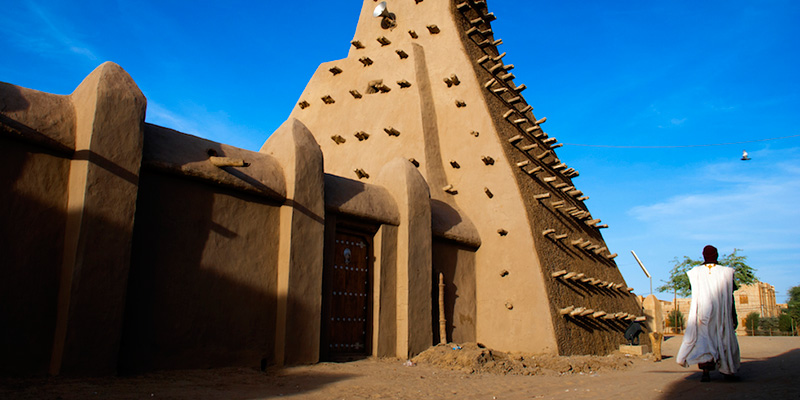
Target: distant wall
(757,297)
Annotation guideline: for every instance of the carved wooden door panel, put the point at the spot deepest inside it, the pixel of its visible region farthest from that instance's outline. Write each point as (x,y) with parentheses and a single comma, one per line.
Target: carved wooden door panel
(350,298)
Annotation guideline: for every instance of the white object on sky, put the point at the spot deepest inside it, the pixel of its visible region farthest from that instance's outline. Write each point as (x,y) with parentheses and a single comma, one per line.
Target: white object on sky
(744,155)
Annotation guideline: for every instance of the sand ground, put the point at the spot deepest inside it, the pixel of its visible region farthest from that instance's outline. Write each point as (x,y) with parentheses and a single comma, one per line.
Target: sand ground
(770,370)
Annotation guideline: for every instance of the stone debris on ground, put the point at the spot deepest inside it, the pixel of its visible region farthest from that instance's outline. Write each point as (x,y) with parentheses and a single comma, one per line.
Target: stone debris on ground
(475,358)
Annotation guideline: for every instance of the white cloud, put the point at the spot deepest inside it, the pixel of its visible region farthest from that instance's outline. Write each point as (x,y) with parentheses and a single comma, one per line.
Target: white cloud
(83,51)
(676,121)
(745,205)
(753,209)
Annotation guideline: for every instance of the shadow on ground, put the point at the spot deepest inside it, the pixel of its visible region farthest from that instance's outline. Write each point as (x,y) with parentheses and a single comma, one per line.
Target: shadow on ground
(761,378)
(209,384)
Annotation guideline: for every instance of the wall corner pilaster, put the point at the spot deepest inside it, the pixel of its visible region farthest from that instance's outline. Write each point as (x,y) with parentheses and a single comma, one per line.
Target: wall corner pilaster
(102,192)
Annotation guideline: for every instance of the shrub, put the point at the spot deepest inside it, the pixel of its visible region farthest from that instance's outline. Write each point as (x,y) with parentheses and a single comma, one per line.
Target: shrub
(785,322)
(675,319)
(751,322)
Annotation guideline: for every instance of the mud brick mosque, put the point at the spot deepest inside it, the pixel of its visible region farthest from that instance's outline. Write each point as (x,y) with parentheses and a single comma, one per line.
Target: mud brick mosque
(133,247)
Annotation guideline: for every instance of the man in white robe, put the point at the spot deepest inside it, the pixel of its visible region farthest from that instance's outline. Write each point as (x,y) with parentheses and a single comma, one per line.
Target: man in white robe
(710,337)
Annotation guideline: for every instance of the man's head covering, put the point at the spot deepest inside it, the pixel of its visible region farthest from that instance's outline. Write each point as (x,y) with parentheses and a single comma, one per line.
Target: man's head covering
(710,254)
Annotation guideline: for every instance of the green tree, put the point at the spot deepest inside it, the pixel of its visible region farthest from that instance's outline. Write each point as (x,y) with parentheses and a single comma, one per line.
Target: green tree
(794,303)
(785,322)
(793,306)
(743,274)
(768,323)
(678,281)
(751,322)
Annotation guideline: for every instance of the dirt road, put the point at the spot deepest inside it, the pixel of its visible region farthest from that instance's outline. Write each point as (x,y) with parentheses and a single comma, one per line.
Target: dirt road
(770,370)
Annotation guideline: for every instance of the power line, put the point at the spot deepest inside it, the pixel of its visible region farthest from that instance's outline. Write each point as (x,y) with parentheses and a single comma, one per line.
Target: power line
(679,146)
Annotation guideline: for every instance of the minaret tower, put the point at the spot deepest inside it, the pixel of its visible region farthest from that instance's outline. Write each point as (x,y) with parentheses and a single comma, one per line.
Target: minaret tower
(425,80)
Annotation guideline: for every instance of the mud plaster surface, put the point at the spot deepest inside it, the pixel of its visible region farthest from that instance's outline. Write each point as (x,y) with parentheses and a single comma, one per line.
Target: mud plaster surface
(769,371)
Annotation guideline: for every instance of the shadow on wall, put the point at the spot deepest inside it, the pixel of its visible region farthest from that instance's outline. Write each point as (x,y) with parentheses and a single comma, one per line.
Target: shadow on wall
(33,185)
(457,263)
(443,215)
(203,280)
(201,288)
(767,378)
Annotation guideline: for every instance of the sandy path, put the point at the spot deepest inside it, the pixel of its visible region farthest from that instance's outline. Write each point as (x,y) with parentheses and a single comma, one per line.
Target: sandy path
(770,370)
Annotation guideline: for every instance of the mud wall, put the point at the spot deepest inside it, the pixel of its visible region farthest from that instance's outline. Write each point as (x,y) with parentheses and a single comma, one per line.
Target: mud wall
(141,248)
(457,264)
(202,284)
(129,246)
(33,193)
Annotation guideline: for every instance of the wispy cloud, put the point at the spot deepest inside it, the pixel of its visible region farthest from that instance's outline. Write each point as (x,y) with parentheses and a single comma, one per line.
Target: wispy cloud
(750,206)
(751,219)
(35,29)
(752,209)
(718,107)
(197,120)
(673,122)
(677,121)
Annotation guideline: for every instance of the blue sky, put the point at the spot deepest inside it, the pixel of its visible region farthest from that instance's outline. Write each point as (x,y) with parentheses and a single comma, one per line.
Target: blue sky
(607,73)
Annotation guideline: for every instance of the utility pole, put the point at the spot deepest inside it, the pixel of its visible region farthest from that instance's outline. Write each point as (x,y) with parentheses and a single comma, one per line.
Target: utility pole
(645,270)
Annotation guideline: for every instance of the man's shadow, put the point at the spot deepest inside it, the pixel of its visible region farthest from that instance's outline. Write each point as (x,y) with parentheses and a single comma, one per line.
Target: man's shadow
(768,378)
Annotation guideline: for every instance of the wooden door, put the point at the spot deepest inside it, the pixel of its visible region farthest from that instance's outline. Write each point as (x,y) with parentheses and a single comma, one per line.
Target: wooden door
(350,298)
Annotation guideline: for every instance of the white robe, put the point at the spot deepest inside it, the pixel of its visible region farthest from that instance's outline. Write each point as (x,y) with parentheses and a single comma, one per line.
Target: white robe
(710,334)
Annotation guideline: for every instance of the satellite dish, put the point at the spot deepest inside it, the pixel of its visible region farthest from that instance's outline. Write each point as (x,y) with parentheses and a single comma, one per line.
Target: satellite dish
(380,11)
